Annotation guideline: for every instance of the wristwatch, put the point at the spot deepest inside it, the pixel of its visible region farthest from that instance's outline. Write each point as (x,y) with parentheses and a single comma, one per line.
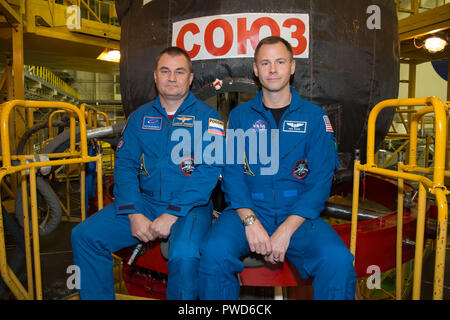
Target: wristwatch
(249,220)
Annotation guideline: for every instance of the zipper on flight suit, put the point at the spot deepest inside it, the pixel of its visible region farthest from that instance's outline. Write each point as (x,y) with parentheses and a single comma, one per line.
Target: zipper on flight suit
(273,193)
(273,189)
(160,172)
(278,128)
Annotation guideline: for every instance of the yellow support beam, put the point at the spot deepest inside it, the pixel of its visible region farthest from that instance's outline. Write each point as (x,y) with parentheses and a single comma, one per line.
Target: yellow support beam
(432,20)
(11,15)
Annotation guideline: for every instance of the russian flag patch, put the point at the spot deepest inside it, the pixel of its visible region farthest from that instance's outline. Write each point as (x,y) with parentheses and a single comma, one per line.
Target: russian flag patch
(216,127)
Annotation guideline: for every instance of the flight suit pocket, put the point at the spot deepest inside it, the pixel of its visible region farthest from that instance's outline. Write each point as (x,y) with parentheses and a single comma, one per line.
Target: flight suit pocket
(289,197)
(257,196)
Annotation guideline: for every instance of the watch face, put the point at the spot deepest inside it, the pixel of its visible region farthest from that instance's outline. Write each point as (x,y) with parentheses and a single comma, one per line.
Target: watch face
(250,219)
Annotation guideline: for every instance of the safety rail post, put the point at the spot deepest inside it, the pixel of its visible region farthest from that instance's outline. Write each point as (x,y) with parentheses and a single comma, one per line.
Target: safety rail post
(420,234)
(67,173)
(355,200)
(448,140)
(50,122)
(436,186)
(99,182)
(35,232)
(83,194)
(8,275)
(9,278)
(399,238)
(26,230)
(441,243)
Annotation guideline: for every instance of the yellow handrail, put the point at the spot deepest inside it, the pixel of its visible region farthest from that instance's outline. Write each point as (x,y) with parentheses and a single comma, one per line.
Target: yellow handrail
(91,115)
(50,122)
(7,168)
(435,186)
(105,116)
(6,109)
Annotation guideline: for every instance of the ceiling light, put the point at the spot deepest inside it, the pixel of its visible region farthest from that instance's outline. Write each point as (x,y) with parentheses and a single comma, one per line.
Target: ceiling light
(435,44)
(109,55)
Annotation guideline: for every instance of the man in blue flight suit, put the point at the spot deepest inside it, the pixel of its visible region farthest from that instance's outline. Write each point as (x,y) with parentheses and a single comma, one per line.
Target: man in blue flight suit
(158,193)
(276,214)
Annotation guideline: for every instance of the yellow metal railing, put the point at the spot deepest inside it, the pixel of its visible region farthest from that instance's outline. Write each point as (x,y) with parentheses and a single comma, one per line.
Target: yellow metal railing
(50,125)
(34,288)
(96,10)
(91,115)
(405,172)
(53,79)
(428,139)
(415,5)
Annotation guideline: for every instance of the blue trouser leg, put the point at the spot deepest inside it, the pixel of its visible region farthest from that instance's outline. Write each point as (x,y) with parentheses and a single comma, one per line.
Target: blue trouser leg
(93,240)
(185,238)
(317,251)
(219,263)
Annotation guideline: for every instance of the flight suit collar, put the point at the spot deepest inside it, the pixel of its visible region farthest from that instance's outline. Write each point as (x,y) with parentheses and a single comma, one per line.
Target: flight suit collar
(188,101)
(296,102)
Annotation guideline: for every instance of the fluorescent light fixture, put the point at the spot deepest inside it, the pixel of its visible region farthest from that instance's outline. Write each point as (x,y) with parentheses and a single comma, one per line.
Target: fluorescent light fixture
(435,44)
(109,55)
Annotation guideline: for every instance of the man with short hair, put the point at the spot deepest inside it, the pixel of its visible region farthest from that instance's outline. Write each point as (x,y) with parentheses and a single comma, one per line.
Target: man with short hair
(277,215)
(157,194)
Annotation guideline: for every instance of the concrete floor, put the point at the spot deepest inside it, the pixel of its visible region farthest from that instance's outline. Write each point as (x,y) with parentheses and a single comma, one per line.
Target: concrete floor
(56,257)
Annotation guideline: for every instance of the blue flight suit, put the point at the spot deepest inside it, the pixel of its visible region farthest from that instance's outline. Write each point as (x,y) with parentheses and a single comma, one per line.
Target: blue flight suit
(300,186)
(159,168)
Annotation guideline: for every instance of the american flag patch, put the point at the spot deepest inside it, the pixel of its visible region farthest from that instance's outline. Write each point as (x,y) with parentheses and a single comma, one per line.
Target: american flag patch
(328,126)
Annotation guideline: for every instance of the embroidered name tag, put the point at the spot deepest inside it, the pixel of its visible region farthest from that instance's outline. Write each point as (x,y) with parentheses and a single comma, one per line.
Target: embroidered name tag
(152,123)
(183,121)
(294,126)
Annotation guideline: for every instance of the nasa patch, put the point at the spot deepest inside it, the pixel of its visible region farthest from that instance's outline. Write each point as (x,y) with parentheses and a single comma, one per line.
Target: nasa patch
(259,125)
(187,166)
(301,170)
